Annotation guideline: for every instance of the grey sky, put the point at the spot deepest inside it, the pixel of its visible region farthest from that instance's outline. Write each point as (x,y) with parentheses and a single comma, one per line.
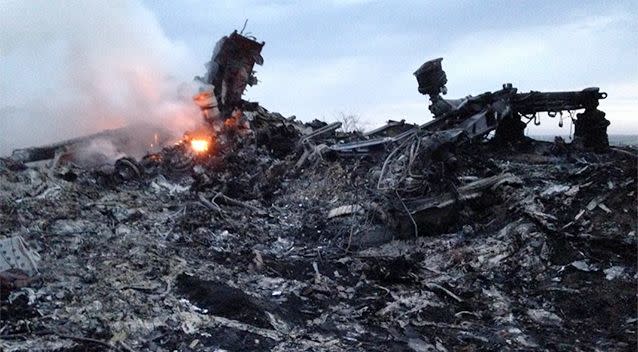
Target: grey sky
(69,67)
(326,57)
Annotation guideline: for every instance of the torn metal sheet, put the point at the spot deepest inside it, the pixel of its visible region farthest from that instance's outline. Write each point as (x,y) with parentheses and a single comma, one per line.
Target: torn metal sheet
(345,210)
(230,70)
(16,254)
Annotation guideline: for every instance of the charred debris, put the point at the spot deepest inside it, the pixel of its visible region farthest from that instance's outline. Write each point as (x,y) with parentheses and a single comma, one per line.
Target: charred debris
(260,232)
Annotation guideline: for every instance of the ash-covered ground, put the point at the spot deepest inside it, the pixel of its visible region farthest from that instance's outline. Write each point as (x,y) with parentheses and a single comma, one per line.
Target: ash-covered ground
(530,246)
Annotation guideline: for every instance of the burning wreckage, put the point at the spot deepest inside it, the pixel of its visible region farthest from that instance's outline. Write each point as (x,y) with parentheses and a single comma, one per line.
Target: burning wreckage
(261,232)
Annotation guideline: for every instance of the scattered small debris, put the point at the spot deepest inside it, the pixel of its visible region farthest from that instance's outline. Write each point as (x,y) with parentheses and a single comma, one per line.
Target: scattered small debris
(583,265)
(614,272)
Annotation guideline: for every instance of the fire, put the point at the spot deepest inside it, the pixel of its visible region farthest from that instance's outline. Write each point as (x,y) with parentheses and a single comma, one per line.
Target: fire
(200,145)
(202,141)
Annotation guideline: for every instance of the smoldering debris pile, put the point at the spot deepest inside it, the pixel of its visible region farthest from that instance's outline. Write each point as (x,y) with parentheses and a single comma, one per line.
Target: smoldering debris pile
(284,235)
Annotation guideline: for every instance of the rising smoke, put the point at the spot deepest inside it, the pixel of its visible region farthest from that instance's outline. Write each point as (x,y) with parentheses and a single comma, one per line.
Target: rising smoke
(69,68)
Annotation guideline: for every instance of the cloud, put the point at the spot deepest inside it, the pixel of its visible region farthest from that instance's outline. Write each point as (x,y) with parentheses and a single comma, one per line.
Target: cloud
(377,83)
(586,50)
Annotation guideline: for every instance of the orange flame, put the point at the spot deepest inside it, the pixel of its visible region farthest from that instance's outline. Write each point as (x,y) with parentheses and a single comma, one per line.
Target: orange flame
(200,146)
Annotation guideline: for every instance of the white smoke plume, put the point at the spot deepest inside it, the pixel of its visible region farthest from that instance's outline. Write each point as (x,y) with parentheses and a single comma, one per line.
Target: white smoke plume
(69,68)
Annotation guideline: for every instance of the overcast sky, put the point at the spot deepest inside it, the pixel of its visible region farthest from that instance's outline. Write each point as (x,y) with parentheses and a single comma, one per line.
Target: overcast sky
(321,58)
(326,57)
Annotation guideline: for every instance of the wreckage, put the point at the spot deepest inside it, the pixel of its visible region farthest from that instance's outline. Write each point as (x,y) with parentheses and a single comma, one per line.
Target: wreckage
(502,110)
(476,116)
(261,232)
(230,71)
